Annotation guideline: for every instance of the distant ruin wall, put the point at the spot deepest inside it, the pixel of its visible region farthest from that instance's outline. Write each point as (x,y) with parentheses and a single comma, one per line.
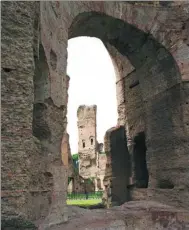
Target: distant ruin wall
(101,169)
(87,141)
(75,183)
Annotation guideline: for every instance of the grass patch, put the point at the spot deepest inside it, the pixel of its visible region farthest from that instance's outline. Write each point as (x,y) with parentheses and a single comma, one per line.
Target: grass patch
(84,203)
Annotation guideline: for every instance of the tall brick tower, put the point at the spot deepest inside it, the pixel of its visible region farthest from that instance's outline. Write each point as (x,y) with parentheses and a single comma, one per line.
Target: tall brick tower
(87,140)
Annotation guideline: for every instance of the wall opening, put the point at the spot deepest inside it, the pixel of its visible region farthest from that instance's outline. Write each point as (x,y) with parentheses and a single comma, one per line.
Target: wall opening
(91,141)
(150,64)
(91,73)
(140,166)
(92,85)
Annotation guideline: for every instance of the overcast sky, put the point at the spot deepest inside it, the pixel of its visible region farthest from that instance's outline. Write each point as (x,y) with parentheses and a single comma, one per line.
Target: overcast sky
(92,81)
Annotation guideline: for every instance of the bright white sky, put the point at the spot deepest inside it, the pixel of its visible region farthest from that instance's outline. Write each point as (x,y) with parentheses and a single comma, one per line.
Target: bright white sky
(92,81)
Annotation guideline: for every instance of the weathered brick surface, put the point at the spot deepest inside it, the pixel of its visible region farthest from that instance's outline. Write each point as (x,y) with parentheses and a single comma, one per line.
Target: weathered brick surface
(155,40)
(87,145)
(28,162)
(77,182)
(117,172)
(17,98)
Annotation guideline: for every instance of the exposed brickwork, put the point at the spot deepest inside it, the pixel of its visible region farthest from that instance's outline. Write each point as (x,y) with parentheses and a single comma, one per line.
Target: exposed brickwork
(87,145)
(17,108)
(153,37)
(117,172)
(92,164)
(77,182)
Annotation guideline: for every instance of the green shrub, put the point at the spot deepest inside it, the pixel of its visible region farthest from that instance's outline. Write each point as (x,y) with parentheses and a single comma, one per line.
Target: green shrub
(75,156)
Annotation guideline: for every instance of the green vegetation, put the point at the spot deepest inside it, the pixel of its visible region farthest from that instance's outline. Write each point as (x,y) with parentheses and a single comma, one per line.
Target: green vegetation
(84,203)
(69,179)
(90,180)
(102,153)
(75,156)
(82,196)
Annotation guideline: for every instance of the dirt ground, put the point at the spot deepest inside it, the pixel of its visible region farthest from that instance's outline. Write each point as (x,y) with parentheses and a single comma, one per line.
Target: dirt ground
(141,215)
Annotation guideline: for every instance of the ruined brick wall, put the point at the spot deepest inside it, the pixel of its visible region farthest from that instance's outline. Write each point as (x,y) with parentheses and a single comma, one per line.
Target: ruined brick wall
(117,172)
(102,163)
(77,182)
(148,45)
(26,180)
(153,38)
(33,178)
(101,168)
(87,140)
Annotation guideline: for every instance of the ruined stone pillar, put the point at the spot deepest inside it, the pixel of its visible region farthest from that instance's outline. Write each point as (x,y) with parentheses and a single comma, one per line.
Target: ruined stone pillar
(87,145)
(118,164)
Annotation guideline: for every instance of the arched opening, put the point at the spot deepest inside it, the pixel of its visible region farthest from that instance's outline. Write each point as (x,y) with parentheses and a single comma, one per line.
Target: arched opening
(160,111)
(91,141)
(143,68)
(92,84)
(139,156)
(91,74)
(153,71)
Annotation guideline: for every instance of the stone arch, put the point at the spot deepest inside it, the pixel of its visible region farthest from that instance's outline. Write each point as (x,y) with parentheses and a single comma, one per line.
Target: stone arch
(154,73)
(168,25)
(83,143)
(57,17)
(92,140)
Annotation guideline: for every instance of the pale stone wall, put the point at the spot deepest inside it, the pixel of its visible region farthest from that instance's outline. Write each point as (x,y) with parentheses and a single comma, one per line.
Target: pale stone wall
(101,169)
(87,141)
(92,164)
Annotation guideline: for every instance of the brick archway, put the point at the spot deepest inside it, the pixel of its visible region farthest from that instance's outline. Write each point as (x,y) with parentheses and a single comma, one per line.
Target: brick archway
(164,96)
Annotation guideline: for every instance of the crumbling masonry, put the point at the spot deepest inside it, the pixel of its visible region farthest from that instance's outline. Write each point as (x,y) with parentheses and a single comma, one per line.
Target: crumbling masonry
(87,145)
(149,46)
(92,164)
